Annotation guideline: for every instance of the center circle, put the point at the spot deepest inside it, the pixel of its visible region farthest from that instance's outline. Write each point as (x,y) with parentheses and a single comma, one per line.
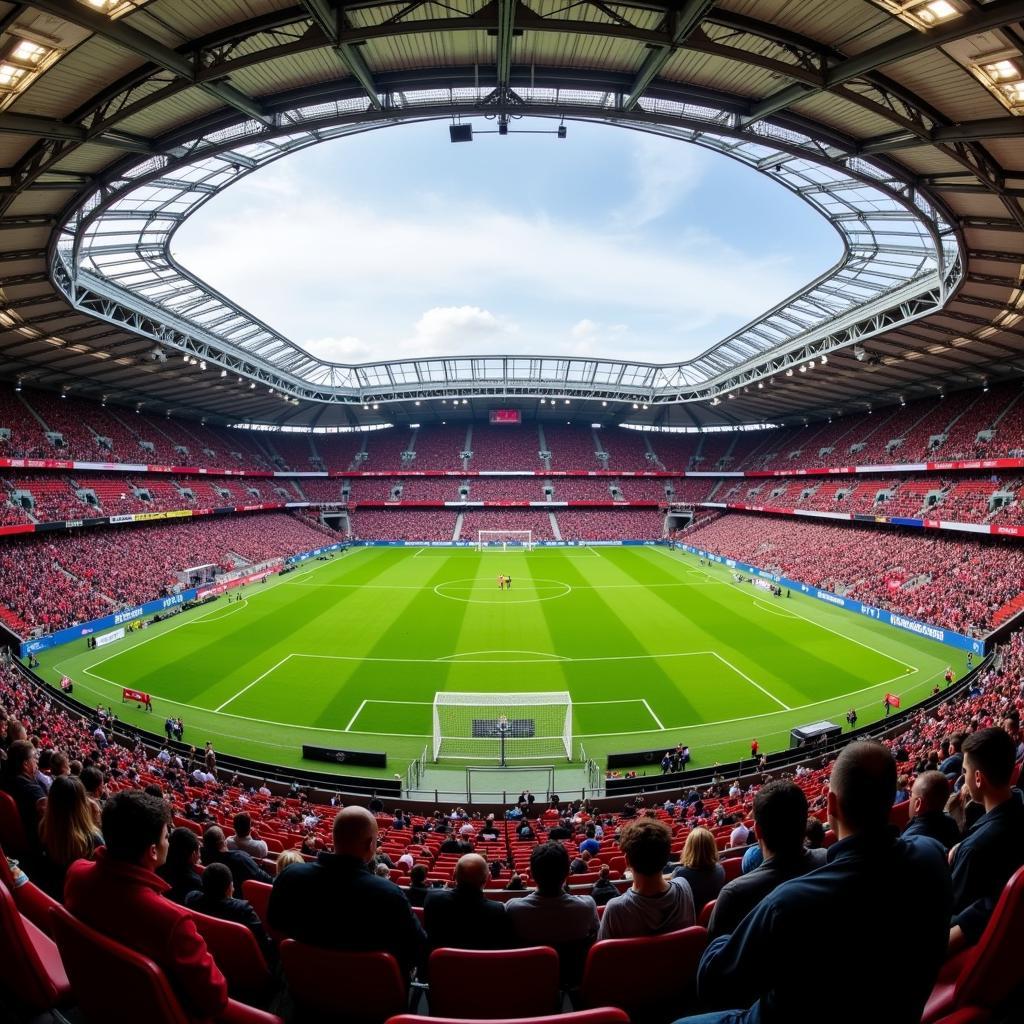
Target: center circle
(485,591)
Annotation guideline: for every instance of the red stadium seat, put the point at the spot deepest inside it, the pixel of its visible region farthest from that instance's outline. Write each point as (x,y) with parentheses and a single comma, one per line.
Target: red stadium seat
(705,914)
(987,973)
(733,867)
(899,815)
(12,831)
(258,894)
(666,963)
(494,983)
(357,988)
(112,982)
(602,1015)
(968,1015)
(238,955)
(30,966)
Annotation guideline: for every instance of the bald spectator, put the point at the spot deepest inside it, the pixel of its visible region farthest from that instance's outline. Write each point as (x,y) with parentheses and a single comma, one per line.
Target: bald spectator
(463,917)
(780,816)
(243,868)
(654,904)
(338,903)
(881,900)
(928,817)
(994,846)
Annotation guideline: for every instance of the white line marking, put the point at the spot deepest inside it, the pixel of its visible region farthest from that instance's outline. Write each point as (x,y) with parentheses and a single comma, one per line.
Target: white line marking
(813,622)
(774,611)
(249,686)
(657,720)
(509,661)
(352,720)
(538,655)
(744,675)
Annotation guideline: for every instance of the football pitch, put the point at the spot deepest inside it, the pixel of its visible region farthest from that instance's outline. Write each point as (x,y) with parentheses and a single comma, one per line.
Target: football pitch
(654,648)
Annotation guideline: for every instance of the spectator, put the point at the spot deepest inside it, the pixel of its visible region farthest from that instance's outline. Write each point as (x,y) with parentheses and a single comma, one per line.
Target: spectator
(780,815)
(179,869)
(880,900)
(739,836)
(515,883)
(700,867)
(244,840)
(927,814)
(338,903)
(953,765)
(604,888)
(579,864)
(463,917)
(216,898)
(67,833)
(418,887)
(243,867)
(123,877)
(20,782)
(654,904)
(994,846)
(549,916)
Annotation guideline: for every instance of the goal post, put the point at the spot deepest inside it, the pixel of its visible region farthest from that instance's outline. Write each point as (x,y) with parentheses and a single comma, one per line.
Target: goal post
(482,727)
(504,539)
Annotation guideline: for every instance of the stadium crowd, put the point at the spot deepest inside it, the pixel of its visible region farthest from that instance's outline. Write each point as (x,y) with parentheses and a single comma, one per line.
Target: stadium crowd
(951,582)
(141,843)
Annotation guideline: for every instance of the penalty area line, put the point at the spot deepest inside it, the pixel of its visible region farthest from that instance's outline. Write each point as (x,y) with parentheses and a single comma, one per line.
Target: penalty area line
(657,720)
(249,686)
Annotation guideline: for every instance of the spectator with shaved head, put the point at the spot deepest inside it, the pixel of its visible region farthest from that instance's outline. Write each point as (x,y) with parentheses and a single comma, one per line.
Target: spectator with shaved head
(463,917)
(339,903)
(928,816)
(880,900)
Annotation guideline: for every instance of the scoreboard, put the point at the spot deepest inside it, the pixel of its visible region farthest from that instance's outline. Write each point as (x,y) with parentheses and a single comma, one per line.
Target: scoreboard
(506,416)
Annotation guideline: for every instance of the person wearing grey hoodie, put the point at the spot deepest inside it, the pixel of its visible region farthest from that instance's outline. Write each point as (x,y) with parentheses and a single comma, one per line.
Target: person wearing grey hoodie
(654,904)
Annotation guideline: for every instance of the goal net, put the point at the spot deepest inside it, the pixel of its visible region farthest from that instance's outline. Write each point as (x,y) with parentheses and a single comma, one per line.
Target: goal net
(504,539)
(474,726)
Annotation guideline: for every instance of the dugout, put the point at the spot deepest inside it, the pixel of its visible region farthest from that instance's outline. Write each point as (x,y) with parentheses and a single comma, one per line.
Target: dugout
(818,733)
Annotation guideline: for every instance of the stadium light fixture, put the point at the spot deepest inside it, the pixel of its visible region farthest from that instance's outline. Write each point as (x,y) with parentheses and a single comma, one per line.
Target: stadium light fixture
(760,385)
(605,404)
(223,373)
(803,368)
(789,372)
(567,401)
(824,360)
(252,385)
(923,15)
(1002,73)
(202,364)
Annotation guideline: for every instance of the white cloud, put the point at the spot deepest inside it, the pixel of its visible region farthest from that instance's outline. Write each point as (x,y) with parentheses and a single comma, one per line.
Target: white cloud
(662,175)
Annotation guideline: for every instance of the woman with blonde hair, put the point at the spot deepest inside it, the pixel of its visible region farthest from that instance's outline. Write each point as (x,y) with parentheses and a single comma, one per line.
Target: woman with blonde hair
(67,832)
(699,866)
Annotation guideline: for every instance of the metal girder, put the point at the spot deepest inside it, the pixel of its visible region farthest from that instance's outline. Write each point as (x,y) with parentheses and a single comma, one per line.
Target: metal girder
(506,35)
(682,21)
(968,131)
(149,49)
(50,128)
(909,44)
(330,22)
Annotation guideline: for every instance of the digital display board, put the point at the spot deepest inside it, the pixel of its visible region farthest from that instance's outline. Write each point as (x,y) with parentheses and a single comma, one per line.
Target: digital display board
(506,416)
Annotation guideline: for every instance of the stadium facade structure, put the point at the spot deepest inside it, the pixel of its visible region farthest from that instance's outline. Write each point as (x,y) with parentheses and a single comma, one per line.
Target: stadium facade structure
(120,120)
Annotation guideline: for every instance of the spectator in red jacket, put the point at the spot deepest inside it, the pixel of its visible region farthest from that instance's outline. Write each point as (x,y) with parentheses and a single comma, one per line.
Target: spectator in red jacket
(120,895)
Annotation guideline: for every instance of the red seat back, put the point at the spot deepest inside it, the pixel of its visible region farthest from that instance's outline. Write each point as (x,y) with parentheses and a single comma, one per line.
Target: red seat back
(238,955)
(733,867)
(602,1015)
(30,966)
(993,968)
(258,894)
(705,914)
(666,963)
(110,981)
(12,830)
(494,983)
(363,988)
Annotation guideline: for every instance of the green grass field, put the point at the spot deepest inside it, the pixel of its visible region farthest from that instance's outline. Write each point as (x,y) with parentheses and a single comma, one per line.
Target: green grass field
(654,648)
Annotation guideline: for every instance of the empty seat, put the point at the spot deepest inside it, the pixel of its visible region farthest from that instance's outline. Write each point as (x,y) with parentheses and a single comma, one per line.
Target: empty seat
(494,983)
(601,1015)
(30,966)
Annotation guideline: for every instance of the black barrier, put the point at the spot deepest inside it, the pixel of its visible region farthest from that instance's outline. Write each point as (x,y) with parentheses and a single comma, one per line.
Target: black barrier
(637,757)
(360,758)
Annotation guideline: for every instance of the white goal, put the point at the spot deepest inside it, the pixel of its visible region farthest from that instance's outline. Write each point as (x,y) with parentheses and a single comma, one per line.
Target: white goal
(488,540)
(487,727)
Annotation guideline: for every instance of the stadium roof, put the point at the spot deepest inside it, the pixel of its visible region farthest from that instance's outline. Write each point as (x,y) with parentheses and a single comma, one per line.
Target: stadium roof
(898,121)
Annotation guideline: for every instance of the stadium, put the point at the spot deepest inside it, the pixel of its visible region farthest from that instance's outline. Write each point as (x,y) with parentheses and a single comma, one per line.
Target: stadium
(557,559)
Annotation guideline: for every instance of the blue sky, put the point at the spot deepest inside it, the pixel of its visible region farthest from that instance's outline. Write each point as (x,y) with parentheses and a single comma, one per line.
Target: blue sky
(396,243)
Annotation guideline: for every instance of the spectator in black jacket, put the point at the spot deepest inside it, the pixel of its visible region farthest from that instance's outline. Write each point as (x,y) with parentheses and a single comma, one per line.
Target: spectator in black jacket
(179,870)
(216,898)
(243,867)
(604,888)
(994,846)
(463,917)
(927,810)
(338,903)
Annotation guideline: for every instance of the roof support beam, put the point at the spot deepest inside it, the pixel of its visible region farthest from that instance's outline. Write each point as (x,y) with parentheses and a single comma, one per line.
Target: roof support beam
(909,44)
(329,22)
(506,26)
(131,39)
(682,21)
(50,128)
(968,131)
